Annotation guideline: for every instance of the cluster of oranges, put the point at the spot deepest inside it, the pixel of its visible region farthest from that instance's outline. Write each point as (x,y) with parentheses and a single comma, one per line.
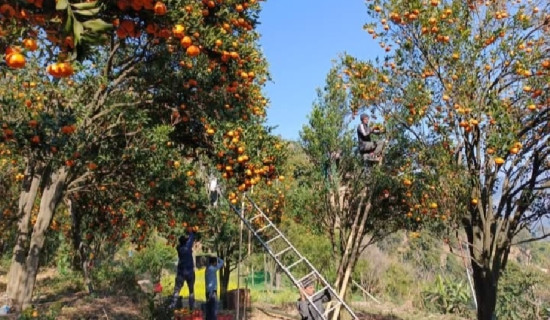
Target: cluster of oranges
(15,59)
(235,163)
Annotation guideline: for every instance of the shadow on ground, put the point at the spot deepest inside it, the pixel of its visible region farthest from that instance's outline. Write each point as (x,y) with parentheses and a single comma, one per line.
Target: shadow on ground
(369,316)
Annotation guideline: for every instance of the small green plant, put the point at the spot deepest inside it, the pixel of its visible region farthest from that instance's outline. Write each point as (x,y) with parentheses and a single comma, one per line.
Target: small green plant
(447,296)
(154,258)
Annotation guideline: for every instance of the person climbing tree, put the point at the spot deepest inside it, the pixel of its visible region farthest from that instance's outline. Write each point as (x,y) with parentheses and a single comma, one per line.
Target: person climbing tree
(368,148)
(185,269)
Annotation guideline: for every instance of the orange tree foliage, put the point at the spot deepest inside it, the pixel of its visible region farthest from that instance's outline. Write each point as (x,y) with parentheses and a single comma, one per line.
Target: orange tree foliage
(248,160)
(124,97)
(193,67)
(468,81)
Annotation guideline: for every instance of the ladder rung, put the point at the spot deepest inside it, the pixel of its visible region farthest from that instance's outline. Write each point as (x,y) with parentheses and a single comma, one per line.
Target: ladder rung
(263,228)
(336,305)
(322,290)
(273,239)
(295,263)
(305,277)
(282,251)
(254,217)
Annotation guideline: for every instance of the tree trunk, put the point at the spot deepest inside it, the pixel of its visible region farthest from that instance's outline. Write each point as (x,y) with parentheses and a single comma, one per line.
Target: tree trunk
(81,258)
(351,254)
(485,283)
(225,271)
(51,196)
(486,263)
(278,277)
(26,202)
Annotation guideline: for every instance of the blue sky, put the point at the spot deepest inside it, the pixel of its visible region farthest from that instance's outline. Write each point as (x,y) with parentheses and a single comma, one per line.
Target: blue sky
(300,38)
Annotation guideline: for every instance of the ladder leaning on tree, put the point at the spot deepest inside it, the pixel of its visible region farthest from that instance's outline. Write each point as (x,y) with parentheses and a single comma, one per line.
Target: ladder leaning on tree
(287,257)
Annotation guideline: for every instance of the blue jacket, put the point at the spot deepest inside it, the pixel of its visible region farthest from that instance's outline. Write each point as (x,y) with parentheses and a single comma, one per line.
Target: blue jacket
(210,276)
(185,255)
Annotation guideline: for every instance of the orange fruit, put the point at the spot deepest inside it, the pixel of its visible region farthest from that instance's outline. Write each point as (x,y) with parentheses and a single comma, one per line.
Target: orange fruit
(15,60)
(159,8)
(186,42)
(193,51)
(178,31)
(122,4)
(30,44)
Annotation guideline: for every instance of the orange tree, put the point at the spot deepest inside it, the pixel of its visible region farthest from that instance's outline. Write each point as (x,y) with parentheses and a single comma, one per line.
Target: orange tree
(468,82)
(90,89)
(248,161)
(358,203)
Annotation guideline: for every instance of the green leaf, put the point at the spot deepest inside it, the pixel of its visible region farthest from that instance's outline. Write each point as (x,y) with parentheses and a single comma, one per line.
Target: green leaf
(68,24)
(78,28)
(61,4)
(87,12)
(84,5)
(97,25)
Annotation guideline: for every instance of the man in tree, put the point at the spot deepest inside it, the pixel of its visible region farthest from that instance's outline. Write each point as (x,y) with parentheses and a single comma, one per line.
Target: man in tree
(305,308)
(367,146)
(185,270)
(211,282)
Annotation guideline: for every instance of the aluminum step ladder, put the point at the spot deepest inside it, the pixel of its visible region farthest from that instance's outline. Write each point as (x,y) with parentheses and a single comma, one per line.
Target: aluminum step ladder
(287,257)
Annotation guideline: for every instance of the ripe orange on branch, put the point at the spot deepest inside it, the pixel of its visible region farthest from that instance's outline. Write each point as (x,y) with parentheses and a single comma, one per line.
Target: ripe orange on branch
(499,161)
(30,44)
(193,51)
(60,69)
(160,8)
(15,60)
(186,42)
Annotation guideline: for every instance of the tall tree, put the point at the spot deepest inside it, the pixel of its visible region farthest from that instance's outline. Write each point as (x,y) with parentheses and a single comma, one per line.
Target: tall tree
(472,77)
(360,203)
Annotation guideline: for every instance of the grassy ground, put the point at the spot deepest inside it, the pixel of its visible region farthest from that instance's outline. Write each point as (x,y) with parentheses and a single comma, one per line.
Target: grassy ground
(62,298)
(168,279)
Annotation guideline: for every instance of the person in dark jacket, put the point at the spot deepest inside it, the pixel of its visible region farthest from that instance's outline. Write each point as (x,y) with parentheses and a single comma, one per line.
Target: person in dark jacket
(185,269)
(366,144)
(306,310)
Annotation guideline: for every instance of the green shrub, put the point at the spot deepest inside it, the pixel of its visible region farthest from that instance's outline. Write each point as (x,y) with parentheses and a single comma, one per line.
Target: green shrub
(155,257)
(519,295)
(446,295)
(397,282)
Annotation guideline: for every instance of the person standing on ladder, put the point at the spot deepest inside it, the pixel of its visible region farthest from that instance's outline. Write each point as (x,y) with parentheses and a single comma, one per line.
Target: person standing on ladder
(185,270)
(369,149)
(306,310)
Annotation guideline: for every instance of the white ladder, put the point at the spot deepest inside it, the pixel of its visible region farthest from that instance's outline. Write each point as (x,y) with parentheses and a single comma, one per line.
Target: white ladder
(267,234)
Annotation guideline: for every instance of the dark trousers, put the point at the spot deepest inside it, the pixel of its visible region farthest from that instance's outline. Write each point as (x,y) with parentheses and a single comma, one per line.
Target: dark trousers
(187,276)
(211,305)
(371,147)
